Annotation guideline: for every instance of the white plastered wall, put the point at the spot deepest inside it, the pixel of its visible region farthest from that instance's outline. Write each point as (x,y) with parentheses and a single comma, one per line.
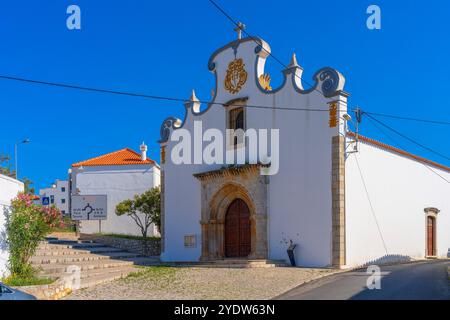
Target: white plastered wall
(400,189)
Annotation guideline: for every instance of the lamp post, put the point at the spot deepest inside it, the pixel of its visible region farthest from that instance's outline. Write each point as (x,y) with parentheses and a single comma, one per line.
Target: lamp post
(25,141)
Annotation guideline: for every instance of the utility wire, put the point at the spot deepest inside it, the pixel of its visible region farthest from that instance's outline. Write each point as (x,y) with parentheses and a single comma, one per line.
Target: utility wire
(398,144)
(408,118)
(408,138)
(370,203)
(236,23)
(147,96)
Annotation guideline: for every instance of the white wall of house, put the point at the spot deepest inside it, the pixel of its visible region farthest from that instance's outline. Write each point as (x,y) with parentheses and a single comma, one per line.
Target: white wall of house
(299,204)
(118,183)
(399,189)
(9,188)
(59,192)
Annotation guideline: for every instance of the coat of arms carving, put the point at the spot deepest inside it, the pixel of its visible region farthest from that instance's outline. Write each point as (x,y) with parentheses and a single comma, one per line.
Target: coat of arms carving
(236,76)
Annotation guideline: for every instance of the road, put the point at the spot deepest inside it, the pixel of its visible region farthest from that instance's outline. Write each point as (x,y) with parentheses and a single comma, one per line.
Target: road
(413,281)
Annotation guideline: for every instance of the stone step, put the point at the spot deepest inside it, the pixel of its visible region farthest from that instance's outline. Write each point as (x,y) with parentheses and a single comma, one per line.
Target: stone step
(74,245)
(124,270)
(235,263)
(84,265)
(102,278)
(50,259)
(67,252)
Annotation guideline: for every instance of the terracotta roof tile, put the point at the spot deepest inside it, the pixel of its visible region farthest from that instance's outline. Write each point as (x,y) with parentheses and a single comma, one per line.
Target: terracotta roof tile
(401,152)
(121,157)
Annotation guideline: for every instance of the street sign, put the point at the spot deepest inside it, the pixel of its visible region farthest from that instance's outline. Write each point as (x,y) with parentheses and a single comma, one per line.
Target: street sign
(45,201)
(89,207)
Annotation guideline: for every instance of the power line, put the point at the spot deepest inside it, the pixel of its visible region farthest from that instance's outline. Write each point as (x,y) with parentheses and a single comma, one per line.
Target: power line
(236,23)
(147,96)
(409,118)
(370,203)
(408,138)
(398,144)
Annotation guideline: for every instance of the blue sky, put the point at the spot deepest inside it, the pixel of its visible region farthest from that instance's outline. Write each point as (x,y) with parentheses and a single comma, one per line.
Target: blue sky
(162,48)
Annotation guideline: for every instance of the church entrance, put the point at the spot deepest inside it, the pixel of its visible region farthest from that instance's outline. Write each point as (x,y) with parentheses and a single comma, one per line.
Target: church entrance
(237,230)
(431,237)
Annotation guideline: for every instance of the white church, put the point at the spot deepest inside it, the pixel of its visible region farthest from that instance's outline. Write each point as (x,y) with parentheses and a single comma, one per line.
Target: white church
(343,199)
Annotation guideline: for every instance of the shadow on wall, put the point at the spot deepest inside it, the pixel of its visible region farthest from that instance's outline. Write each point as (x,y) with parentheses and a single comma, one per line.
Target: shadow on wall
(389,258)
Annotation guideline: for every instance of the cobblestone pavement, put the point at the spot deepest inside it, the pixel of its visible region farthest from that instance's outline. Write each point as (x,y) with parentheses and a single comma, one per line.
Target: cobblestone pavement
(201,283)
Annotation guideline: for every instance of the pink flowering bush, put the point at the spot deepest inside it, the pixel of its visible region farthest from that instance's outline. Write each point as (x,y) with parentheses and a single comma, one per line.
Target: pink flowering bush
(27,224)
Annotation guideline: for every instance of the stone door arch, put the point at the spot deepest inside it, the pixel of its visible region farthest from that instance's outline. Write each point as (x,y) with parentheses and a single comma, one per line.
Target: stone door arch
(218,191)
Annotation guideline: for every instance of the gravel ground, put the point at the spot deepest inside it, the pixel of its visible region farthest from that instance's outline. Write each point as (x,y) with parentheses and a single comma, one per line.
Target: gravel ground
(201,283)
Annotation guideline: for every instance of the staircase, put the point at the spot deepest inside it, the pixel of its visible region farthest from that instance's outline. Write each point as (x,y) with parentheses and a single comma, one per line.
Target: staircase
(57,258)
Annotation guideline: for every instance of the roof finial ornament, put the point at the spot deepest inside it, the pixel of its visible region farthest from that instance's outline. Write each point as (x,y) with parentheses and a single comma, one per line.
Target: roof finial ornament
(239,28)
(193,97)
(293,61)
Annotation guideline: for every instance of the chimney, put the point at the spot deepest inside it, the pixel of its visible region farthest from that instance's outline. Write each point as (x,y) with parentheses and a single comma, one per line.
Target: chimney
(143,148)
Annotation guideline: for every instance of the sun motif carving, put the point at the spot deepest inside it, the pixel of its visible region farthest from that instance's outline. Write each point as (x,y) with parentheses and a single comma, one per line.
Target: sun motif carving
(236,76)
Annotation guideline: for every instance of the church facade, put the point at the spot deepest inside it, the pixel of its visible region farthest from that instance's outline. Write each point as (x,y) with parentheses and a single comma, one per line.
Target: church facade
(297,175)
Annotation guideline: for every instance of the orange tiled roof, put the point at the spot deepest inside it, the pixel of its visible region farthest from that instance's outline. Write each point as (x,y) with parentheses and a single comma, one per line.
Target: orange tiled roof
(121,157)
(399,151)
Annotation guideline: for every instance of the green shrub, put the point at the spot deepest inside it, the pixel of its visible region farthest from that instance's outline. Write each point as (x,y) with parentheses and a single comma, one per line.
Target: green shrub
(26,225)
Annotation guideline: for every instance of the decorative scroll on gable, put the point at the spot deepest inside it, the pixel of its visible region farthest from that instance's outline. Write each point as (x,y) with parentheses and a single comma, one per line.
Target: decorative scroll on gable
(239,71)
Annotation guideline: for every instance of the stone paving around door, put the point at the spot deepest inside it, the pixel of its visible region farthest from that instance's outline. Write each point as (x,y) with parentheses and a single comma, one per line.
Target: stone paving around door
(178,283)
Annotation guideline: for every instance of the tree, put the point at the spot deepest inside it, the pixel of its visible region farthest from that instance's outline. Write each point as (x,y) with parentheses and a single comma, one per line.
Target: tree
(5,167)
(144,209)
(29,189)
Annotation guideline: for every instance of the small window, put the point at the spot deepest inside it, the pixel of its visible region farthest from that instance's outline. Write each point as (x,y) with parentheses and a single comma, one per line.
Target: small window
(236,121)
(52,199)
(63,212)
(63,189)
(190,241)
(63,200)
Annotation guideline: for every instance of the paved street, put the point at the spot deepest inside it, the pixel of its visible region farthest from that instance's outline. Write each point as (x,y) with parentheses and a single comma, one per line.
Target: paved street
(414,281)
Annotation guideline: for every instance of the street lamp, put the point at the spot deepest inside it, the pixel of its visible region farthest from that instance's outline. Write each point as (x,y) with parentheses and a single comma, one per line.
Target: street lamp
(25,141)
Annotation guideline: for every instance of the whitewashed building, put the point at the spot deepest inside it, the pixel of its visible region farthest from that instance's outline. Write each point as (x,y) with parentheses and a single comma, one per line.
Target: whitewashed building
(58,195)
(9,188)
(316,197)
(119,175)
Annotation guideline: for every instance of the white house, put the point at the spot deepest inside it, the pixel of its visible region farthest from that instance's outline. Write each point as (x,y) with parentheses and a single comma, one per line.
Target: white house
(9,188)
(306,189)
(119,175)
(58,195)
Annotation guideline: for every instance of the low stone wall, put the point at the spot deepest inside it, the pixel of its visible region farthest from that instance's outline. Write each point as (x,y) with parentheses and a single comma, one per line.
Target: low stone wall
(53,291)
(151,248)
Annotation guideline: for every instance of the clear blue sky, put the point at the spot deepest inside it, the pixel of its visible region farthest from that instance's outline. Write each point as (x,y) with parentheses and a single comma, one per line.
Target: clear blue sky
(162,48)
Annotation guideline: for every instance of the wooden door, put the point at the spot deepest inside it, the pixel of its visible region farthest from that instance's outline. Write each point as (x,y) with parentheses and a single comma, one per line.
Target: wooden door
(237,230)
(431,250)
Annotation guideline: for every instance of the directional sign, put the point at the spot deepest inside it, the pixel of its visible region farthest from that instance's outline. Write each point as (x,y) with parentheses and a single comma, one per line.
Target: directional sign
(45,201)
(89,207)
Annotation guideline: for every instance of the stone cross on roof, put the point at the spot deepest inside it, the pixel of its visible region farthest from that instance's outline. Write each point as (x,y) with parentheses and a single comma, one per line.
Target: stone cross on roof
(239,28)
